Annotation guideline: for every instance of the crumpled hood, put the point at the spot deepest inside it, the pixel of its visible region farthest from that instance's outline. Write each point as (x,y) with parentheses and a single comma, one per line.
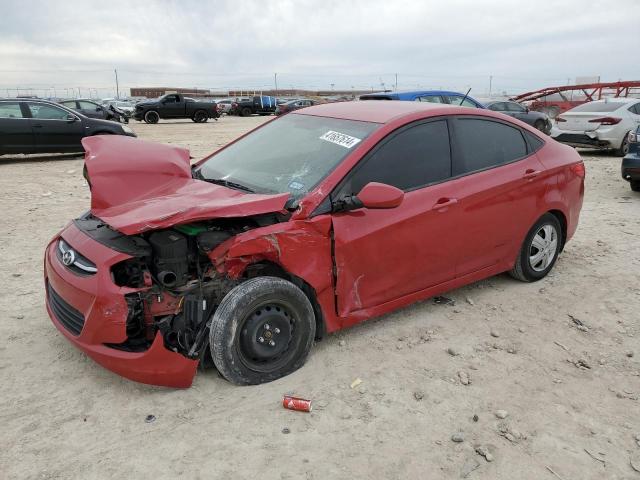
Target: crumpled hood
(138,186)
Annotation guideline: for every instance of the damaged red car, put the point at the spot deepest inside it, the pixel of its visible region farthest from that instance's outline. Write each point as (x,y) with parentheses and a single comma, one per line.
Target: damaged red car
(311,223)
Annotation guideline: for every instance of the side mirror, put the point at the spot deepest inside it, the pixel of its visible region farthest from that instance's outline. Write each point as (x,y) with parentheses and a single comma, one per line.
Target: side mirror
(380,195)
(99,109)
(71,118)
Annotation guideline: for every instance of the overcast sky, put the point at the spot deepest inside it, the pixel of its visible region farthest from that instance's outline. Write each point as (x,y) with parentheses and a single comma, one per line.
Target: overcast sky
(315,43)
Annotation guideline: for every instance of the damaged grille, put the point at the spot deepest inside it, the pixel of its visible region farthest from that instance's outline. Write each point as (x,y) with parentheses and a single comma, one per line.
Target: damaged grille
(68,316)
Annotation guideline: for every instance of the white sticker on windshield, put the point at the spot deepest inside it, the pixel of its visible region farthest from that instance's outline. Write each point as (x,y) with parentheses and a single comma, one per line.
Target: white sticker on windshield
(341,139)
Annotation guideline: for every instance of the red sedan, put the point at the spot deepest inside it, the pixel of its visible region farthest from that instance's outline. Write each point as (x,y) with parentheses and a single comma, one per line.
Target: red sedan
(311,223)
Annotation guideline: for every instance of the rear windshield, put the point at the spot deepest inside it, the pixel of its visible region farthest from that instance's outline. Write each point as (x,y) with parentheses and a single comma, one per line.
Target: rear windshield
(598,107)
(291,154)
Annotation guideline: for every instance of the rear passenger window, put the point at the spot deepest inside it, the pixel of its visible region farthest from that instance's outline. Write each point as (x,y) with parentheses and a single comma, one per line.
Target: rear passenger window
(430,99)
(535,143)
(10,110)
(484,144)
(412,158)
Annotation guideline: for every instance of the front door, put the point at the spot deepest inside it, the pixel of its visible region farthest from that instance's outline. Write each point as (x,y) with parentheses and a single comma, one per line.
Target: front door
(172,107)
(53,129)
(382,255)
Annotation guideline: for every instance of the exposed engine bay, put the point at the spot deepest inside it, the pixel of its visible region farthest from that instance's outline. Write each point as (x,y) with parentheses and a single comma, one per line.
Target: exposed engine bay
(177,287)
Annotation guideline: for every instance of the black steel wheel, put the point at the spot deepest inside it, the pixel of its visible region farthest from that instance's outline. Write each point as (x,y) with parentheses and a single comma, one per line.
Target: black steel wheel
(245,112)
(262,330)
(200,116)
(151,117)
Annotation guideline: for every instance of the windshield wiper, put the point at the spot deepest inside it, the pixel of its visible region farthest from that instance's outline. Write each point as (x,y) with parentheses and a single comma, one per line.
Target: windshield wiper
(227,183)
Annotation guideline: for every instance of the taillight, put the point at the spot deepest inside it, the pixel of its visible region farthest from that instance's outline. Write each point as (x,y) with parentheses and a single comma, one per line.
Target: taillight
(606,120)
(560,119)
(578,169)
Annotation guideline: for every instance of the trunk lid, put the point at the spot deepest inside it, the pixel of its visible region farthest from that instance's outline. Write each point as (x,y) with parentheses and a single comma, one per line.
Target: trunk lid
(138,186)
(580,120)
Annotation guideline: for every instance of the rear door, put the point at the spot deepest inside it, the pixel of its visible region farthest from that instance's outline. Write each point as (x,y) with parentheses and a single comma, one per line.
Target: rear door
(384,254)
(91,110)
(16,135)
(516,110)
(500,183)
(53,128)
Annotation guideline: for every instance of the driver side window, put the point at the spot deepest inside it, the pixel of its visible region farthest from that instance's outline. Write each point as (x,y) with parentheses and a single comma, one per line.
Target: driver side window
(415,157)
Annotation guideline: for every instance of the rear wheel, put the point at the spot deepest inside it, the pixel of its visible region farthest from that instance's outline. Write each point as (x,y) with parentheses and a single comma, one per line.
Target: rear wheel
(245,112)
(539,125)
(262,330)
(539,251)
(200,116)
(635,185)
(151,117)
(624,147)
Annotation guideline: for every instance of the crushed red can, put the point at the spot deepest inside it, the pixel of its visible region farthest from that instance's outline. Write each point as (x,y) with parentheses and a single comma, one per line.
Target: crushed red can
(295,403)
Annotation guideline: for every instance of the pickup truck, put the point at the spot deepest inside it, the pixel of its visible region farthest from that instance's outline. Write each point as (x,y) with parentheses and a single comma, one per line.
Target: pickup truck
(260,104)
(175,105)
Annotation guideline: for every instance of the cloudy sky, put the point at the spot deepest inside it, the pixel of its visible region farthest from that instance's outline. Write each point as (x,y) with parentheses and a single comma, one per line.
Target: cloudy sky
(315,43)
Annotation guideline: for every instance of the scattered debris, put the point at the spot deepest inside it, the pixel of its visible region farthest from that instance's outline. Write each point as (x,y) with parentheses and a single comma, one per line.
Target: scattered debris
(484,452)
(150,419)
(16,275)
(296,403)
(469,466)
(356,382)
(469,301)
(579,323)
(580,363)
(342,343)
(475,418)
(502,414)
(418,395)
(562,346)
(629,354)
(47,194)
(521,330)
(635,464)
(464,378)
(495,333)
(440,300)
(551,470)
(453,351)
(286,430)
(457,437)
(595,458)
(512,350)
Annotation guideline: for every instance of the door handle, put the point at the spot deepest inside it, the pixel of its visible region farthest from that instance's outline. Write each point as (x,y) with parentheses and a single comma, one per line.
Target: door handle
(531,174)
(444,202)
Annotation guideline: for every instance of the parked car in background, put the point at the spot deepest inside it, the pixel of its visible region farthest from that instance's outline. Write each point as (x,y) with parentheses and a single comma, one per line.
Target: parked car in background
(224,106)
(127,107)
(538,120)
(39,126)
(259,104)
(89,108)
(430,96)
(602,124)
(631,161)
(294,105)
(175,105)
(281,236)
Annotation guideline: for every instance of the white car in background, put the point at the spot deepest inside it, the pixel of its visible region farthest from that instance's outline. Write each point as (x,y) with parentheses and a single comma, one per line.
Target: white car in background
(602,124)
(224,105)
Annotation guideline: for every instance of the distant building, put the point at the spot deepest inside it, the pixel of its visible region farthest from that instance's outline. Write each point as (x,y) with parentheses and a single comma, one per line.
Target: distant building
(154,92)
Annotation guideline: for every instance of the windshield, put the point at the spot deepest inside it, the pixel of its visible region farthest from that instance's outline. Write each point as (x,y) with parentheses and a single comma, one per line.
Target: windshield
(291,154)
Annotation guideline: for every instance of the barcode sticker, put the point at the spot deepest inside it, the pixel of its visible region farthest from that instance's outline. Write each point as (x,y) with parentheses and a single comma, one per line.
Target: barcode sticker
(346,141)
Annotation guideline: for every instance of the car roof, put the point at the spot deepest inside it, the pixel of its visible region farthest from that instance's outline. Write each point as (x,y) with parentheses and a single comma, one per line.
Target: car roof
(411,93)
(377,112)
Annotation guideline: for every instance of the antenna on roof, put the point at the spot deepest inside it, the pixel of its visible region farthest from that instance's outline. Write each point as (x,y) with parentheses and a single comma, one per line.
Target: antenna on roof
(465,96)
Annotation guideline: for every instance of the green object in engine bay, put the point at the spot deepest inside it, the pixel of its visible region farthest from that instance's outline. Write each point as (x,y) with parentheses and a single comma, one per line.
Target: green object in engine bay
(191,229)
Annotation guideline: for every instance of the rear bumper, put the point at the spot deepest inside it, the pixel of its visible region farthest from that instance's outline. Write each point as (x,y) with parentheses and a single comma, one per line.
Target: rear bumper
(100,311)
(602,138)
(630,167)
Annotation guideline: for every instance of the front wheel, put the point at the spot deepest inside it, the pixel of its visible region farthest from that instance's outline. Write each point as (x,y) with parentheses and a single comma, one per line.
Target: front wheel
(262,330)
(539,251)
(624,147)
(245,112)
(151,117)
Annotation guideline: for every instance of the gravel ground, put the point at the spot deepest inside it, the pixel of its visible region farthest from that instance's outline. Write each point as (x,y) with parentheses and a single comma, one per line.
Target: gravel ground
(568,395)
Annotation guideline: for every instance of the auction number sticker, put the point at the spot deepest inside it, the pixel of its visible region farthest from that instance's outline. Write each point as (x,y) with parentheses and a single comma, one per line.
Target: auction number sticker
(341,139)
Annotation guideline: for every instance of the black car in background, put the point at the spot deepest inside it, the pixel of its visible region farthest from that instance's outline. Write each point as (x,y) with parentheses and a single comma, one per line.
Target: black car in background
(39,126)
(538,120)
(631,161)
(292,105)
(89,109)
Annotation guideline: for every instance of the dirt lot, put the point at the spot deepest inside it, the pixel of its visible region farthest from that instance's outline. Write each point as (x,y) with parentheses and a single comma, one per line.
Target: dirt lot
(65,417)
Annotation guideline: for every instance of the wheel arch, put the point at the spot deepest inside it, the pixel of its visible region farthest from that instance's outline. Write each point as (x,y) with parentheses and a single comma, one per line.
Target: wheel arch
(563,223)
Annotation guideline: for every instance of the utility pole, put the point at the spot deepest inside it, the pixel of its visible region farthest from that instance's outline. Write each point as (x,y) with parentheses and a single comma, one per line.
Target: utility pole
(117,86)
(396,88)
(275,80)
(490,84)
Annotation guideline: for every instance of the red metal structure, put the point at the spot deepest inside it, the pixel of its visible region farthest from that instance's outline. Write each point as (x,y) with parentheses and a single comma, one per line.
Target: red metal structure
(555,100)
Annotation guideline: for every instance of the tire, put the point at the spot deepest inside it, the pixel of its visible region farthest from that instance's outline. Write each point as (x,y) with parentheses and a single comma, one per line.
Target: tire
(245,112)
(253,314)
(624,147)
(540,125)
(200,116)
(635,185)
(547,233)
(151,117)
